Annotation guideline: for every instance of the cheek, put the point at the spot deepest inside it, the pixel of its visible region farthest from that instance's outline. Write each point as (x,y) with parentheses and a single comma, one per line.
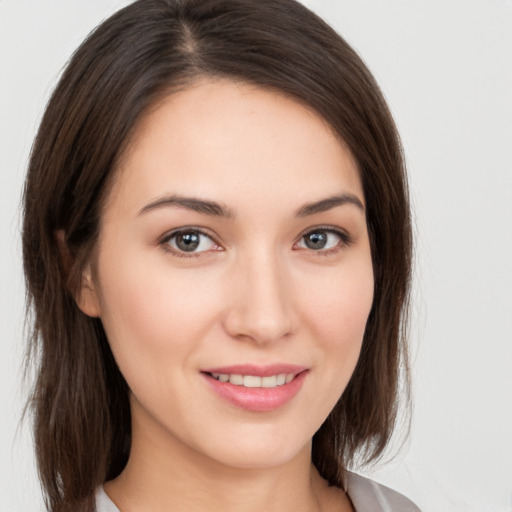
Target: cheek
(338,309)
(339,306)
(150,314)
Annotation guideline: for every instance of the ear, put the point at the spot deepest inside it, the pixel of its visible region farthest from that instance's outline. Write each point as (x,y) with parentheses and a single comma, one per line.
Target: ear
(86,296)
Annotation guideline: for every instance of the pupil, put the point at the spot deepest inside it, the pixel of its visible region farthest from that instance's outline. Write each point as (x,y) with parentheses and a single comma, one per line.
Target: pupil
(316,240)
(188,242)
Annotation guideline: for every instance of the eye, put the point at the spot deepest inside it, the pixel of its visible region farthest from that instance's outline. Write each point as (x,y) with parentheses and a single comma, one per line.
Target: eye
(190,241)
(323,239)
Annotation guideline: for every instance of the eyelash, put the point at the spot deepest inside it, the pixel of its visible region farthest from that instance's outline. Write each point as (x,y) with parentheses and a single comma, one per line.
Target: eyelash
(345,241)
(164,241)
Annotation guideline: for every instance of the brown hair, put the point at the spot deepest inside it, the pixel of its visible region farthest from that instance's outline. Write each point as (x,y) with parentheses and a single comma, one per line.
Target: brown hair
(151,48)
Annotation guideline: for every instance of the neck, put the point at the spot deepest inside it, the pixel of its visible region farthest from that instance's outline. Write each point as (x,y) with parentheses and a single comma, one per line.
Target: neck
(173,476)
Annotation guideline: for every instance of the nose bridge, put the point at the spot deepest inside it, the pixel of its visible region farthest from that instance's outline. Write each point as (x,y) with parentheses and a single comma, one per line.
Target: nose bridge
(262,306)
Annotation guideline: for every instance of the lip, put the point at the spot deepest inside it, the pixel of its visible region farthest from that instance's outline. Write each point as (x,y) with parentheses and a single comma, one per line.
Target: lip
(258,370)
(257,399)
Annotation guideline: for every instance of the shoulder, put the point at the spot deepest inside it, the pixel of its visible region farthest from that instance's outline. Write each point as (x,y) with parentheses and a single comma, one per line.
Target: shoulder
(369,496)
(103,502)
(366,496)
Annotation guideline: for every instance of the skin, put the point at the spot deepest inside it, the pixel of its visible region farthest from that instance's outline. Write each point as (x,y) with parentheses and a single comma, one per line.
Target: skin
(254,292)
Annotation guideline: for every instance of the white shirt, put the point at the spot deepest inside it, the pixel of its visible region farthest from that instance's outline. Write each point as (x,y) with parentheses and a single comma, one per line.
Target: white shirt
(366,496)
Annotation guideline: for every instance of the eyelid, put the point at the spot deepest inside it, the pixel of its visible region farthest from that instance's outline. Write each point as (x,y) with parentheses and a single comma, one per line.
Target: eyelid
(346,239)
(163,241)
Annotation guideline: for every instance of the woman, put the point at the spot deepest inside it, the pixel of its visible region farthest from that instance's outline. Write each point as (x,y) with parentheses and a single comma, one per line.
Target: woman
(217,250)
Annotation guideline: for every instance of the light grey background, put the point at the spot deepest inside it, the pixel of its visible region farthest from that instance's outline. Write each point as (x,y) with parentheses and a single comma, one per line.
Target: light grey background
(446,68)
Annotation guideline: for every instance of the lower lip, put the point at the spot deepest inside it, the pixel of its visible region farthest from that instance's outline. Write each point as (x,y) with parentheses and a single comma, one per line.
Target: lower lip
(257,399)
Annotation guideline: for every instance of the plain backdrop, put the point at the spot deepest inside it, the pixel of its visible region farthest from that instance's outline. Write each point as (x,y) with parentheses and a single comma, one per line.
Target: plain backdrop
(445,67)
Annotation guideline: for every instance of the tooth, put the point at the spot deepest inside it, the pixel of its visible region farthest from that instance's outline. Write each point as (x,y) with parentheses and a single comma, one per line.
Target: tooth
(251,381)
(269,382)
(237,380)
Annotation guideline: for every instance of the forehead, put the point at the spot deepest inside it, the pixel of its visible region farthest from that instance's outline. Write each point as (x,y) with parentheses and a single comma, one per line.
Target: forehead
(227,139)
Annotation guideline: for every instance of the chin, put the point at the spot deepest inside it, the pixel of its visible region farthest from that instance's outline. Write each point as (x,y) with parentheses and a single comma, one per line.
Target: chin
(257,452)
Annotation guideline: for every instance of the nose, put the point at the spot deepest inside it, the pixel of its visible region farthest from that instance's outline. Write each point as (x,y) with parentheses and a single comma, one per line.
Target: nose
(261,306)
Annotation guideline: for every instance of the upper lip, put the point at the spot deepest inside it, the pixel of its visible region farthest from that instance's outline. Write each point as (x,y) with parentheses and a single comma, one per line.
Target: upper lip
(257,370)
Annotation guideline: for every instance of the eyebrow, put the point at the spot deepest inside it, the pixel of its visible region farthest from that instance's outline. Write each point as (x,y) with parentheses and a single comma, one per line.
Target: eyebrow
(215,209)
(190,203)
(329,203)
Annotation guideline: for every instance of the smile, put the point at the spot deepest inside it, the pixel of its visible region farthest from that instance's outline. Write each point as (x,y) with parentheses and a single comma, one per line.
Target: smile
(254,381)
(256,388)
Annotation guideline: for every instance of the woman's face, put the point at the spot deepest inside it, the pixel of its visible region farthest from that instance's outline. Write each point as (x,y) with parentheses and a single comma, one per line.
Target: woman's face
(233,253)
